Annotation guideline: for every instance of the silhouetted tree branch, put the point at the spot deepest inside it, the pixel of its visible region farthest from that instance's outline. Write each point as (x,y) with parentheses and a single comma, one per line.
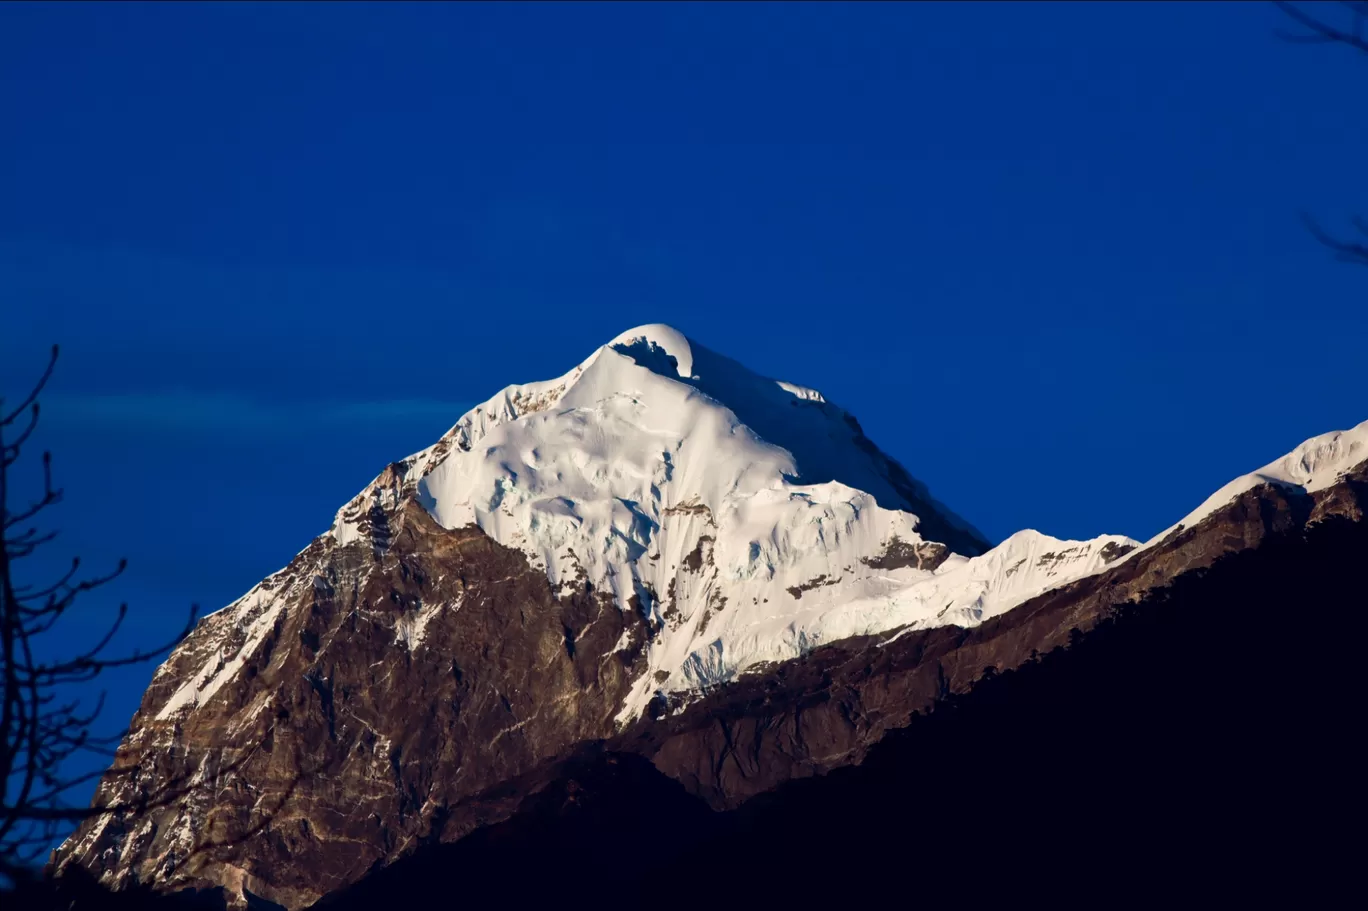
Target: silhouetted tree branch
(1319,31)
(1348,251)
(1353,33)
(41,729)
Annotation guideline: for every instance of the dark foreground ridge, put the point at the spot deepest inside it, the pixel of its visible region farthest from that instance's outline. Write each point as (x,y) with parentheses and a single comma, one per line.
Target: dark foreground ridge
(1197,743)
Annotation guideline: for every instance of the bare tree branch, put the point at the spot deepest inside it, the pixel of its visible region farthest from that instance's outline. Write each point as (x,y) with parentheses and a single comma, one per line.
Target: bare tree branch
(39,732)
(1316,30)
(6,420)
(1345,250)
(1319,31)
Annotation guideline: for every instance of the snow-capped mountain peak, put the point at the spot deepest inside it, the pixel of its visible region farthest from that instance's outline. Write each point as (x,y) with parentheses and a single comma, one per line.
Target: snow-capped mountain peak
(747,519)
(658,347)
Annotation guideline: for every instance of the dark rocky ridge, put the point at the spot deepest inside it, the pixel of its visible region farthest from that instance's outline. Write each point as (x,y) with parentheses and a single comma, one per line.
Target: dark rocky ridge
(805,717)
(360,758)
(1167,754)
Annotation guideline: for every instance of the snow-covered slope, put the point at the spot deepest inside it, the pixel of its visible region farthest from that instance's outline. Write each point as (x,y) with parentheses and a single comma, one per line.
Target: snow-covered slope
(1316,464)
(748,519)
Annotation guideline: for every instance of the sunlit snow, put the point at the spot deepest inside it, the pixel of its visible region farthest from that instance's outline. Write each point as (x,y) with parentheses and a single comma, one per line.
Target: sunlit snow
(748,519)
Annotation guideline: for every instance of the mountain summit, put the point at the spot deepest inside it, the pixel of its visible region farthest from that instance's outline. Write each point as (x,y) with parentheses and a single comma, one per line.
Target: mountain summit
(659,551)
(744,519)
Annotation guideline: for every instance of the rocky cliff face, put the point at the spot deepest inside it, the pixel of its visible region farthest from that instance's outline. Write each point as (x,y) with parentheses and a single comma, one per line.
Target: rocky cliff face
(357,726)
(658,553)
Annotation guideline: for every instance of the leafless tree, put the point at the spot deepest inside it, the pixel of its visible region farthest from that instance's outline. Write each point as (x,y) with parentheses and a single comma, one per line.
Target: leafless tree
(1346,25)
(42,727)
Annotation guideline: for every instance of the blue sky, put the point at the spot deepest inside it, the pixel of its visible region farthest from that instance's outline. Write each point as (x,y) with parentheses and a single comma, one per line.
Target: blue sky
(1048,254)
